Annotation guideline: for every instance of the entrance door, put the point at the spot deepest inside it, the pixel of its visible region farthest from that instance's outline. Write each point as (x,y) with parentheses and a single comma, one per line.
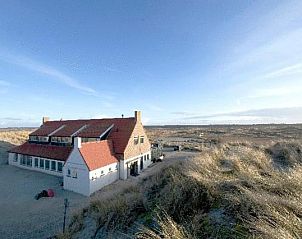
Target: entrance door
(142,163)
(134,169)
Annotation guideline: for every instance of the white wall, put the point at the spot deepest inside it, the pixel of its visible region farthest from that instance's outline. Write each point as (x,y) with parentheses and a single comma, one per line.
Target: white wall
(11,161)
(99,180)
(125,169)
(75,163)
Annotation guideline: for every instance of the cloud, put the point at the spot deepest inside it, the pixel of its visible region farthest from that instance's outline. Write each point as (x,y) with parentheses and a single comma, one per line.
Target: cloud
(274,92)
(10,119)
(51,72)
(288,70)
(269,115)
(18,122)
(184,113)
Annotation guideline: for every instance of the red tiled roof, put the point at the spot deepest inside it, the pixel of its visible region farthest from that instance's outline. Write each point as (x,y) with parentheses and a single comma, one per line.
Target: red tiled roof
(44,151)
(119,134)
(98,154)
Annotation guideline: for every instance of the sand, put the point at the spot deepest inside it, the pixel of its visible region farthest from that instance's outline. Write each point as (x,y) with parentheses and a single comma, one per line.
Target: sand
(21,216)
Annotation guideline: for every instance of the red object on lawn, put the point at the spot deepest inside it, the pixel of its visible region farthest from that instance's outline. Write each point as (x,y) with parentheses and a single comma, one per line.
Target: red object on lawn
(50,193)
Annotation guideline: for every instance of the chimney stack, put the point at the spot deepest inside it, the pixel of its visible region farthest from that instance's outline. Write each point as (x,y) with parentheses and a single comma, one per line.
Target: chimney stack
(45,119)
(138,116)
(77,142)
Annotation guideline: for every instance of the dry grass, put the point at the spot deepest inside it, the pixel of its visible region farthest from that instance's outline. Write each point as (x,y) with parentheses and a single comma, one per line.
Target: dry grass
(14,137)
(10,138)
(264,198)
(235,191)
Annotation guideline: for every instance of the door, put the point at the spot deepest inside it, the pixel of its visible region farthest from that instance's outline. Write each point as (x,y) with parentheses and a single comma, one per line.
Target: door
(134,169)
(142,163)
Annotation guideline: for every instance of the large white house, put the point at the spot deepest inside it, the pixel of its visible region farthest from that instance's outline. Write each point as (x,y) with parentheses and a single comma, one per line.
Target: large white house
(88,154)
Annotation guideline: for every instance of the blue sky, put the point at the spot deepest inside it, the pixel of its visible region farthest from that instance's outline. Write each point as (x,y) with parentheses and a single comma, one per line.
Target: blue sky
(180,62)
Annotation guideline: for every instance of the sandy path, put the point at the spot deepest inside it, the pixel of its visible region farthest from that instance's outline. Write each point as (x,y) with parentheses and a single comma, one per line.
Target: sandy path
(21,216)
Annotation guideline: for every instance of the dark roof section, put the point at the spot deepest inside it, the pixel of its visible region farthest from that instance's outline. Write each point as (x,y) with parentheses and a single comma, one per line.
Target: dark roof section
(47,128)
(95,128)
(44,151)
(98,154)
(69,128)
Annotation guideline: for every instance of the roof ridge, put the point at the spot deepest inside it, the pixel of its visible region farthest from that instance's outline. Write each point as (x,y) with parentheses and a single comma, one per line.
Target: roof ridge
(72,120)
(97,142)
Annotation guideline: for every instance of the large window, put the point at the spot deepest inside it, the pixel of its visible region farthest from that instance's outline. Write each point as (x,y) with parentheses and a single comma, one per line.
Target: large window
(53,165)
(41,163)
(23,160)
(60,166)
(36,162)
(47,164)
(15,157)
(29,161)
(26,160)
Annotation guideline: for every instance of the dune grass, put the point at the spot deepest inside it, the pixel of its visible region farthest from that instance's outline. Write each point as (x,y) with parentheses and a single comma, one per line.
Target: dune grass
(235,191)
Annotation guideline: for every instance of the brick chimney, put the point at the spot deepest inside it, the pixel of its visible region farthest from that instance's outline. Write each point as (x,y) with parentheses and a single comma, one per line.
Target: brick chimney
(138,116)
(45,119)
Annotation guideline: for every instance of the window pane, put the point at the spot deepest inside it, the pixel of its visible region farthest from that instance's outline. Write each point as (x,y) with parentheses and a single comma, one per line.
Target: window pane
(60,166)
(41,163)
(53,165)
(36,162)
(28,161)
(46,164)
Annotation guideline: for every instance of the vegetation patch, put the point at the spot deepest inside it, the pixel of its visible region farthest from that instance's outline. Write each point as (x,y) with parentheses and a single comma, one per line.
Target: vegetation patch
(234,191)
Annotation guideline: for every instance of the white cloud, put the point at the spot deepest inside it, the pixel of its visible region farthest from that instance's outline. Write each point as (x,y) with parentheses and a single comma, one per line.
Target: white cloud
(273,92)
(52,73)
(285,71)
(268,115)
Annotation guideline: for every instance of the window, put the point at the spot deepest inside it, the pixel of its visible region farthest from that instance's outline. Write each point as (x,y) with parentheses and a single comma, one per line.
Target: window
(142,139)
(36,162)
(74,173)
(41,163)
(110,170)
(102,172)
(23,160)
(68,173)
(47,164)
(147,156)
(28,161)
(53,165)
(60,166)
(15,158)
(135,140)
